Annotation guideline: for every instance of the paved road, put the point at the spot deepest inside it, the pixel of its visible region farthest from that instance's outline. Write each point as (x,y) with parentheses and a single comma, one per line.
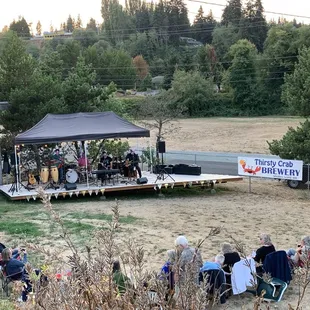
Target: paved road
(210,162)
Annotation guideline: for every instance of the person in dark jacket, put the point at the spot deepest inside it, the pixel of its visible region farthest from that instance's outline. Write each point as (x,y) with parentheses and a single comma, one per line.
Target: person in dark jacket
(261,253)
(231,257)
(15,269)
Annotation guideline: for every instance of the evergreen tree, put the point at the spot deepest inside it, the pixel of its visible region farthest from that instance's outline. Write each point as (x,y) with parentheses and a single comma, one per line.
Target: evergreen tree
(39,28)
(70,24)
(232,13)
(21,28)
(243,77)
(143,18)
(16,65)
(203,26)
(179,25)
(92,25)
(78,23)
(161,21)
(253,25)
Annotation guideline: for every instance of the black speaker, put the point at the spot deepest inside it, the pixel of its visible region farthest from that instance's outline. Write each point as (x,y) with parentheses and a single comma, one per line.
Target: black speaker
(142,180)
(161,145)
(70,186)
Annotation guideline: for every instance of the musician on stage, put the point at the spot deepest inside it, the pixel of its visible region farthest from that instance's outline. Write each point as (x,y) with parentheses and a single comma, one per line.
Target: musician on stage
(134,159)
(106,161)
(59,161)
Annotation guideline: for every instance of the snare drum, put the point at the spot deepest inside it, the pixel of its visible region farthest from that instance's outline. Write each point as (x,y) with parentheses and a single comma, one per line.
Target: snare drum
(71,176)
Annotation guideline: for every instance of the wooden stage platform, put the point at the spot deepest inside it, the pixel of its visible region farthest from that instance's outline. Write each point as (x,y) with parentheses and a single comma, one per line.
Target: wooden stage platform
(122,185)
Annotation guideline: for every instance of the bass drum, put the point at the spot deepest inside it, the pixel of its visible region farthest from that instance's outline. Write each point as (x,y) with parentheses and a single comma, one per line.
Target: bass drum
(71,176)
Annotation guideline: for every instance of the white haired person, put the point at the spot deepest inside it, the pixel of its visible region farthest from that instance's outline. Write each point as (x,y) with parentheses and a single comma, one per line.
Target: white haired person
(302,254)
(261,253)
(213,277)
(188,262)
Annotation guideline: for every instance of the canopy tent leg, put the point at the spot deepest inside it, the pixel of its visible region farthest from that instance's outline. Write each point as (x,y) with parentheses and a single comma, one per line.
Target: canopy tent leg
(1,170)
(86,160)
(16,170)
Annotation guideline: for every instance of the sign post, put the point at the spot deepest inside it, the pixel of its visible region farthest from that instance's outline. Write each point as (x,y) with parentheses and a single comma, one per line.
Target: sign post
(273,168)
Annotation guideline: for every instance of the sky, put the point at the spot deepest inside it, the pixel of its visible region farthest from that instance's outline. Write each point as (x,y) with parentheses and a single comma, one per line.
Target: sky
(57,11)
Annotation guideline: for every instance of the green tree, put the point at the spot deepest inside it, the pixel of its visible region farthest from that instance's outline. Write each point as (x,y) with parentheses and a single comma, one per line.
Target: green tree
(31,103)
(117,24)
(161,114)
(80,91)
(86,37)
(178,20)
(296,88)
(69,52)
(21,28)
(51,64)
(39,28)
(280,54)
(295,144)
(232,13)
(223,38)
(194,92)
(116,66)
(253,25)
(92,25)
(143,18)
(208,64)
(70,24)
(161,20)
(16,65)
(78,23)
(242,76)
(203,26)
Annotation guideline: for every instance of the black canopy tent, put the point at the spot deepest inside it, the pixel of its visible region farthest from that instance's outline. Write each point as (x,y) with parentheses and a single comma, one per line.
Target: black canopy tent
(54,128)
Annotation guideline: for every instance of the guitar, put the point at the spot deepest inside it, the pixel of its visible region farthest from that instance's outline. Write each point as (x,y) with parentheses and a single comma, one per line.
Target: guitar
(31,179)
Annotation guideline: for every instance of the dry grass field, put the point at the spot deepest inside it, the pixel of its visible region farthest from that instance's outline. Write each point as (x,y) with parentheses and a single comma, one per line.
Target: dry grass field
(155,222)
(246,135)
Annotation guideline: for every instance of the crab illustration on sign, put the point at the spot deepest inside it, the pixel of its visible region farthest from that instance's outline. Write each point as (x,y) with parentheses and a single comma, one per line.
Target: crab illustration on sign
(249,170)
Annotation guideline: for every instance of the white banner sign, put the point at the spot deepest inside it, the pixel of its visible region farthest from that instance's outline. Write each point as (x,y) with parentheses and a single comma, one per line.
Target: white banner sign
(270,168)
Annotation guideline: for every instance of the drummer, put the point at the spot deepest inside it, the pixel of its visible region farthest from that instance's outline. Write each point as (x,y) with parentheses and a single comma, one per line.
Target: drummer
(82,162)
(58,160)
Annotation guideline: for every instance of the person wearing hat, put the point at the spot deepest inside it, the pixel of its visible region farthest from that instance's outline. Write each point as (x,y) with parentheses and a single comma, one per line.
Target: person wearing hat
(58,160)
(134,159)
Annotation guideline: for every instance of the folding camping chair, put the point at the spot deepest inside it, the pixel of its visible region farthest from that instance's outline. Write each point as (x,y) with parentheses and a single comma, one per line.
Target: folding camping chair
(7,279)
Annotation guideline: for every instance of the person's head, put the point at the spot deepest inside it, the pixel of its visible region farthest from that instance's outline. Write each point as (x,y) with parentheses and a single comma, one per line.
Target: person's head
(265,239)
(132,151)
(226,248)
(104,154)
(116,266)
(57,151)
(219,259)
(305,241)
(6,254)
(171,255)
(181,242)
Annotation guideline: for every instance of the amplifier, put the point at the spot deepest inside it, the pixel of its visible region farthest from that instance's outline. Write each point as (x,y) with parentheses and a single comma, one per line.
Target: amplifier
(142,180)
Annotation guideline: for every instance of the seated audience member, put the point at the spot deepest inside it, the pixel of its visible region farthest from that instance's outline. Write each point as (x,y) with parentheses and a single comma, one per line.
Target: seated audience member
(186,256)
(122,282)
(299,256)
(212,274)
(215,265)
(261,253)
(167,270)
(231,257)
(15,269)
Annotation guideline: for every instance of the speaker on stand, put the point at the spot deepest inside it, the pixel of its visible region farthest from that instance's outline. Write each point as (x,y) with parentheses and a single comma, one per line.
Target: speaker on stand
(162,174)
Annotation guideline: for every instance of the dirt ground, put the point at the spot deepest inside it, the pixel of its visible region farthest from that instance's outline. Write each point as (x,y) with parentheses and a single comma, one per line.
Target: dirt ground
(246,135)
(272,208)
